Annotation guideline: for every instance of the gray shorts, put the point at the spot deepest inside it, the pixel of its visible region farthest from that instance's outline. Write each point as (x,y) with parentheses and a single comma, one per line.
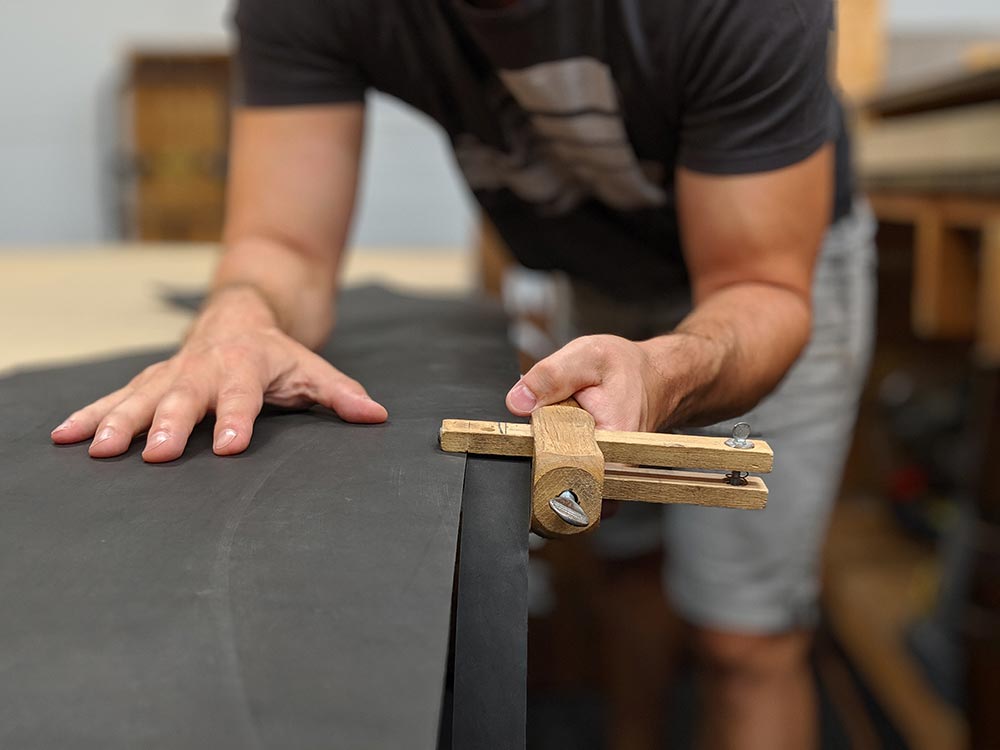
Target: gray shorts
(758,571)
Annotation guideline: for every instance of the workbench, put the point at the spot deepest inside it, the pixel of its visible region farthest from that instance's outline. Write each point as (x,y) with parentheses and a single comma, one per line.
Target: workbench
(335,586)
(63,304)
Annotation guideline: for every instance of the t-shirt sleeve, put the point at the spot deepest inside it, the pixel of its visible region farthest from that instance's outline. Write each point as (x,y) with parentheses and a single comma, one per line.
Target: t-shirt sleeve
(296,52)
(755,91)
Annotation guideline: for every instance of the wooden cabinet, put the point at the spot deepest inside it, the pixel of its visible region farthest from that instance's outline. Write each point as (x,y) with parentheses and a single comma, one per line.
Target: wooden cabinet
(175,110)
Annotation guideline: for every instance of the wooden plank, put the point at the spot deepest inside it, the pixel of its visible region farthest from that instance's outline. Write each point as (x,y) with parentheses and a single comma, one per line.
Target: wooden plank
(486,438)
(984,56)
(955,89)
(639,448)
(988,318)
(683,451)
(685,487)
(84,303)
(981,184)
(494,258)
(956,210)
(959,141)
(944,281)
(861,47)
(897,207)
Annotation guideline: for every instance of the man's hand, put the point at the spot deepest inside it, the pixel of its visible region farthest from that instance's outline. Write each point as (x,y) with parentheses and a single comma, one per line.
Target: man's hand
(750,242)
(235,360)
(616,380)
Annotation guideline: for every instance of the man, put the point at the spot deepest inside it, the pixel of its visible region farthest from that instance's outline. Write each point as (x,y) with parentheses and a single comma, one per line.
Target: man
(676,159)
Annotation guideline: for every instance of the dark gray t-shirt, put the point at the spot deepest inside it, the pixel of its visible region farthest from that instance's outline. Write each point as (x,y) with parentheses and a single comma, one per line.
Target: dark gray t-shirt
(569,117)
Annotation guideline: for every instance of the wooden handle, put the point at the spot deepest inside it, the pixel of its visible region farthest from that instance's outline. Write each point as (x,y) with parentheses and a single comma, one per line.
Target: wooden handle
(565,457)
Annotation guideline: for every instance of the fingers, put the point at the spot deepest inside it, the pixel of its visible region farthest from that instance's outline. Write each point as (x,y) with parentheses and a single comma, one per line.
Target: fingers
(82,424)
(578,365)
(345,396)
(180,409)
(116,429)
(168,399)
(237,406)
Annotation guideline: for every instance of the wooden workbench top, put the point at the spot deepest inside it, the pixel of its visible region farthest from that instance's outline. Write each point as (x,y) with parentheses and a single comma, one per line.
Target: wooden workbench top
(63,304)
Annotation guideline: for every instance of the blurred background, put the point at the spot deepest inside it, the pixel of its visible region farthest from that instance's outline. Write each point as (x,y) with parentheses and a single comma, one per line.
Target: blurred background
(113,153)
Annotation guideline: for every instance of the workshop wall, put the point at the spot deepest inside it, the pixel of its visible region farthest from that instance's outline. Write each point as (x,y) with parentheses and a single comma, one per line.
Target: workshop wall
(933,13)
(60,66)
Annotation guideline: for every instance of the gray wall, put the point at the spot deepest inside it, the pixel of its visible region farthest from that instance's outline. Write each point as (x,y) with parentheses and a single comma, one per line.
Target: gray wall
(942,14)
(58,69)
(58,61)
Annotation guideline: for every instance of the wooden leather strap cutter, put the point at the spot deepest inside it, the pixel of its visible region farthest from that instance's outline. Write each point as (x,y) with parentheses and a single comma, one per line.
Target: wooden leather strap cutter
(575,466)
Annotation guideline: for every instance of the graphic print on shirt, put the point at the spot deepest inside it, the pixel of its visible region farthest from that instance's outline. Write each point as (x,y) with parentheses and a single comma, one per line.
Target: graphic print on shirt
(572,145)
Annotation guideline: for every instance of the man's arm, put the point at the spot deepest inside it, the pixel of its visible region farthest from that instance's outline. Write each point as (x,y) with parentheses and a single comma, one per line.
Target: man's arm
(751,243)
(291,193)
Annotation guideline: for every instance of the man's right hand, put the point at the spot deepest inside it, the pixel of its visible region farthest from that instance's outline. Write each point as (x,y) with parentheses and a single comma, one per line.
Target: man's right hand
(235,360)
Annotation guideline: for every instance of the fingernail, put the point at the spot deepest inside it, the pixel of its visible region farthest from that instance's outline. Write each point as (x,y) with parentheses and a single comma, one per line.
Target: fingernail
(157,438)
(225,438)
(521,398)
(64,426)
(106,434)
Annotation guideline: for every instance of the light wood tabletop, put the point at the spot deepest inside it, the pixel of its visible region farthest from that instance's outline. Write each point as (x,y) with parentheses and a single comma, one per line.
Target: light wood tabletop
(65,304)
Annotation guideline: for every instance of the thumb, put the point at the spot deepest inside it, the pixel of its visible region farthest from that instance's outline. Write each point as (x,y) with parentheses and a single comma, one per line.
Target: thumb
(552,380)
(345,396)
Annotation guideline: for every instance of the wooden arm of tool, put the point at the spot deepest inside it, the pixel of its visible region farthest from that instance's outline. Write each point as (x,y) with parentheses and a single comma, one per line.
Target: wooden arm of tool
(635,448)
(570,456)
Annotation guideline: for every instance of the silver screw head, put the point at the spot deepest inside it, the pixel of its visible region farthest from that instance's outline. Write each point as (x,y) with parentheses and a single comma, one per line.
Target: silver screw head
(565,506)
(741,431)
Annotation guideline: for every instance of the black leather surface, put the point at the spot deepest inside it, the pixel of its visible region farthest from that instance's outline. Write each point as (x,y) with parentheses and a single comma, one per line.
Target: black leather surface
(491,638)
(296,596)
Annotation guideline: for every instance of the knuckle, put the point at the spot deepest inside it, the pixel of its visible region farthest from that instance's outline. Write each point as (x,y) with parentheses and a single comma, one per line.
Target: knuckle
(238,391)
(192,363)
(237,355)
(239,398)
(115,421)
(349,385)
(597,347)
(175,405)
(546,374)
(182,389)
(118,416)
(140,397)
(91,411)
(150,372)
(233,421)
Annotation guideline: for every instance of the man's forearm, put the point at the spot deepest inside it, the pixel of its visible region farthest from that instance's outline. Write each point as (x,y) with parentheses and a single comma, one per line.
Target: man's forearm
(730,352)
(293,286)
(290,196)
